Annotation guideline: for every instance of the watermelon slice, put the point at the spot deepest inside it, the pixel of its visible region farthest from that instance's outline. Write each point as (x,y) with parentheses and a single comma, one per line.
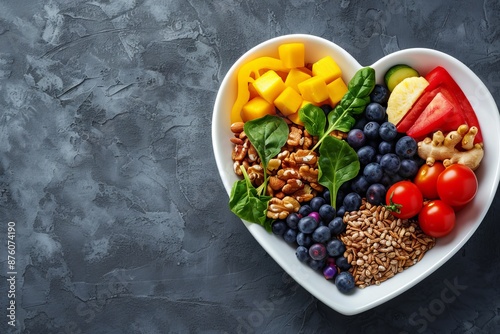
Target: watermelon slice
(418,107)
(440,114)
(439,73)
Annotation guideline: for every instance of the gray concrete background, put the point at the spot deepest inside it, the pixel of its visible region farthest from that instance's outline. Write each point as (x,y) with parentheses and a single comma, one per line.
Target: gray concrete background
(106,167)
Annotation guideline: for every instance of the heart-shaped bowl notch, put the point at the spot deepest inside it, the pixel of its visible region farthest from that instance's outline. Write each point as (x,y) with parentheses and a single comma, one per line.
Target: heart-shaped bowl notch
(468,219)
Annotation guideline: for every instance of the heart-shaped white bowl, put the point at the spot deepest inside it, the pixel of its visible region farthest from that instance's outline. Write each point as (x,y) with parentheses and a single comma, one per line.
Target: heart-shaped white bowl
(468,219)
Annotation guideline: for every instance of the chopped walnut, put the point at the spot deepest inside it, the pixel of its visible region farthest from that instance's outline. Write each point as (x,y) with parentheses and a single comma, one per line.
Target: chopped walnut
(281,208)
(294,136)
(292,185)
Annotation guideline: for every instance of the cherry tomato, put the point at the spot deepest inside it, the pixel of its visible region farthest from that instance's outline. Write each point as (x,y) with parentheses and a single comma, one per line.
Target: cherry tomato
(436,218)
(457,185)
(404,199)
(426,179)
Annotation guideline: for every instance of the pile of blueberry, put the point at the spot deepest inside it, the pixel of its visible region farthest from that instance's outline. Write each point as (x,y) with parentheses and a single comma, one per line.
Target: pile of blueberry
(313,230)
(386,157)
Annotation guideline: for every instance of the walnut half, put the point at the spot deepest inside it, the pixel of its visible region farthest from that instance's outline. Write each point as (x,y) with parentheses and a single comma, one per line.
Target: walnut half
(281,208)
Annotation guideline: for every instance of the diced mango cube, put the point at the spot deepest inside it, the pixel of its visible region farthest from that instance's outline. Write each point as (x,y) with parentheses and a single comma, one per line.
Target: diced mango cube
(306,70)
(292,55)
(288,102)
(313,89)
(269,85)
(256,108)
(252,90)
(336,90)
(326,68)
(295,118)
(294,77)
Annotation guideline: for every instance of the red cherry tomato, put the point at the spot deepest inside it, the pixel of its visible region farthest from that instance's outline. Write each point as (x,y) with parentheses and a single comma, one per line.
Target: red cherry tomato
(404,199)
(436,218)
(426,179)
(457,185)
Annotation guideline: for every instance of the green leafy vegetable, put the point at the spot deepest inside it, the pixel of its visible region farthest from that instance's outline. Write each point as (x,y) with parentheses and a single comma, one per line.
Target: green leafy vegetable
(338,163)
(268,135)
(352,103)
(314,119)
(247,204)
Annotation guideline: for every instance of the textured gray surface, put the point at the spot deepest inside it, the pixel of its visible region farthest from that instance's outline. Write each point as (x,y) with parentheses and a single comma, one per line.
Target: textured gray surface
(106,167)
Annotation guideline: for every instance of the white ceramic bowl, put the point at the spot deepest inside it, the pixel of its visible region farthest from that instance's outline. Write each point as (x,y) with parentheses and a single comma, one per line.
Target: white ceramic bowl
(468,220)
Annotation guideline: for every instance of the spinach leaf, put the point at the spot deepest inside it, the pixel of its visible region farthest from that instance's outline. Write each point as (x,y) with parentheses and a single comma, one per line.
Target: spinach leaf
(338,163)
(352,103)
(314,119)
(268,135)
(247,204)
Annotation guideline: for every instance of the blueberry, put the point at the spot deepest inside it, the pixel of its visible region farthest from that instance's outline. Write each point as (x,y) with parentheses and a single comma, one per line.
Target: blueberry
(379,94)
(360,185)
(321,234)
(376,194)
(373,172)
(344,281)
(304,239)
(387,131)
(396,178)
(327,212)
(329,272)
(375,112)
(302,253)
(337,226)
(342,263)
(409,168)
(316,203)
(385,147)
(290,235)
(352,201)
(366,154)
(386,180)
(279,227)
(307,224)
(341,211)
(340,196)
(371,130)
(317,251)
(373,143)
(326,108)
(305,210)
(326,196)
(356,138)
(390,163)
(335,247)
(406,147)
(292,220)
(317,264)
(360,123)
(315,215)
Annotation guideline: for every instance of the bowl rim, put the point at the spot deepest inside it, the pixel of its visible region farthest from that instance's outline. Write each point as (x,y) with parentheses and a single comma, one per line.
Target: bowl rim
(298,271)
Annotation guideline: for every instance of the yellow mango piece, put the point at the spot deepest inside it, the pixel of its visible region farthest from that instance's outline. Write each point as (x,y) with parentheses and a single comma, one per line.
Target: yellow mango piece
(306,70)
(292,54)
(336,90)
(269,86)
(288,102)
(313,89)
(326,68)
(252,90)
(256,108)
(295,118)
(294,77)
